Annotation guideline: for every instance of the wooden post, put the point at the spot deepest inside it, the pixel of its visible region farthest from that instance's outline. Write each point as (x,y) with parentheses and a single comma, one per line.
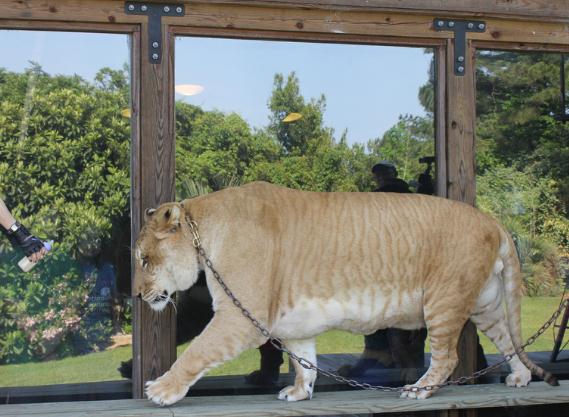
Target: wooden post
(154,335)
(460,104)
(440,121)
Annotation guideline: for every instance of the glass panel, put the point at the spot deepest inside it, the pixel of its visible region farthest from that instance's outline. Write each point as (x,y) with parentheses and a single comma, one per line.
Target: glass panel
(522,151)
(313,117)
(565,78)
(64,174)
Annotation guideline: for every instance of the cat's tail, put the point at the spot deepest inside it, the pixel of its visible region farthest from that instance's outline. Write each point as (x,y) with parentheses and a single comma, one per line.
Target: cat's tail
(512,279)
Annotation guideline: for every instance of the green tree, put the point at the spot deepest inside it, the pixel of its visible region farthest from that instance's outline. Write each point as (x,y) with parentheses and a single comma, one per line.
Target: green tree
(307,133)
(64,172)
(404,144)
(522,150)
(216,149)
(518,104)
(213,148)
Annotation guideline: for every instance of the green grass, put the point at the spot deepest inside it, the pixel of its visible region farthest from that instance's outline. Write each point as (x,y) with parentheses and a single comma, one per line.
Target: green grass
(102,366)
(535,311)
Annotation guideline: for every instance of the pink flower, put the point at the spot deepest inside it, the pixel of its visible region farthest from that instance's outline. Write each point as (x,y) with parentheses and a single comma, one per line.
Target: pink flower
(51,333)
(71,321)
(29,322)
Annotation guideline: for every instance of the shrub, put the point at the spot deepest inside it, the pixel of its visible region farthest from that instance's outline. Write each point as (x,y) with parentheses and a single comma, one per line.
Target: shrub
(66,178)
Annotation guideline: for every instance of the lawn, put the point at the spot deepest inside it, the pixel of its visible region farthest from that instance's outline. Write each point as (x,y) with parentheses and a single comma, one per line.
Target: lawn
(102,366)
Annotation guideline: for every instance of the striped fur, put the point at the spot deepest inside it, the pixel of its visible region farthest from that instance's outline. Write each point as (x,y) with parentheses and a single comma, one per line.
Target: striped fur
(305,262)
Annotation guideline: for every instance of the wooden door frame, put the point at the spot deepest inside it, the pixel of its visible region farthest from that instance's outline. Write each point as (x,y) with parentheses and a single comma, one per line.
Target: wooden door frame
(517,24)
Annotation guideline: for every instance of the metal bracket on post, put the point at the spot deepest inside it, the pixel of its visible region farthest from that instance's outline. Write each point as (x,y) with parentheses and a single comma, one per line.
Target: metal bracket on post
(154,12)
(459,27)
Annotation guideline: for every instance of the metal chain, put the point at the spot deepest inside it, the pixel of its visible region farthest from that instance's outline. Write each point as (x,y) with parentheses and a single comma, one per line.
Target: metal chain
(305,363)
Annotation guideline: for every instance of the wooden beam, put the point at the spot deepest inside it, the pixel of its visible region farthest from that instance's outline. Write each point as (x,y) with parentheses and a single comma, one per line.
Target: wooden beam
(313,21)
(520,46)
(292,20)
(101,11)
(440,122)
(460,106)
(94,27)
(305,37)
(460,122)
(155,334)
(322,403)
(135,208)
(552,10)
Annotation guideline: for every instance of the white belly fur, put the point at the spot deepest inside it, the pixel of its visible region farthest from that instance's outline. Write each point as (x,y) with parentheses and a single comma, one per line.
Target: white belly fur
(357,313)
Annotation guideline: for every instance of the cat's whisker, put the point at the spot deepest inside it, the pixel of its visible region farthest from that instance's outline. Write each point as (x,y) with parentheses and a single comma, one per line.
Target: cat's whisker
(171,301)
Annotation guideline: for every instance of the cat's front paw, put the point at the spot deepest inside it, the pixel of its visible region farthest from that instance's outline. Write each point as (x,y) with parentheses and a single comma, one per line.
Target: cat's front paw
(414,391)
(165,390)
(296,393)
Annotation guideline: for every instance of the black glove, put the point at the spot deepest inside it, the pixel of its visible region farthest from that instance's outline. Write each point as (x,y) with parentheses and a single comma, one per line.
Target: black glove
(23,239)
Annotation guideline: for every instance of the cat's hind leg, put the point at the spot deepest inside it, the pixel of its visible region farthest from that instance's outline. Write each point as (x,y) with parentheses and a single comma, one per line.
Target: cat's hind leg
(445,312)
(305,378)
(489,317)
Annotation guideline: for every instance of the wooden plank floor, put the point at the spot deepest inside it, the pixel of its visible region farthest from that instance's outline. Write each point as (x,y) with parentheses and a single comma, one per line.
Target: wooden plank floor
(324,403)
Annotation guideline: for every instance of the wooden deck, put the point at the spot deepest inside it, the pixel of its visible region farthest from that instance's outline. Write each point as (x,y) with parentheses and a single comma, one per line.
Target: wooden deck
(324,403)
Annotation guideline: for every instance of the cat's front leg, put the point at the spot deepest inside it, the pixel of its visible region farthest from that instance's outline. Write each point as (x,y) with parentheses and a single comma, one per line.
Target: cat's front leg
(305,378)
(225,337)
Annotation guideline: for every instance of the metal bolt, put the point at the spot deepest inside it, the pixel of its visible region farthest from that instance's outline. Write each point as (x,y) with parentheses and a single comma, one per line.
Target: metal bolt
(154,56)
(460,59)
(460,69)
(166,9)
(440,23)
(481,26)
(451,24)
(144,7)
(131,7)
(155,44)
(470,25)
(178,9)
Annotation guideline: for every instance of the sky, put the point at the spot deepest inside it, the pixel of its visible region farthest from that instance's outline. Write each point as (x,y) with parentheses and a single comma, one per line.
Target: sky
(366,87)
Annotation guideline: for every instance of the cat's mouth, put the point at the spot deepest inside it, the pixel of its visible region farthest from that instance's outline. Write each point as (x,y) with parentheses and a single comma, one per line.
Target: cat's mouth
(158,301)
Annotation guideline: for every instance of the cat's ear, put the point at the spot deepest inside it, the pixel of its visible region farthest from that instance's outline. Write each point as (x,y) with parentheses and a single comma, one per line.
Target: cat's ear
(148,214)
(169,220)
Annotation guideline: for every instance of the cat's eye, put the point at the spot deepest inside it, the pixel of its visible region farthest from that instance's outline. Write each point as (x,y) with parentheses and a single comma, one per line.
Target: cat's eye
(144,262)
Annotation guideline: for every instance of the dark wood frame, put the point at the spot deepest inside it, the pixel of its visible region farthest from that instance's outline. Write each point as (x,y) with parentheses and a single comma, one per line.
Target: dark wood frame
(515,25)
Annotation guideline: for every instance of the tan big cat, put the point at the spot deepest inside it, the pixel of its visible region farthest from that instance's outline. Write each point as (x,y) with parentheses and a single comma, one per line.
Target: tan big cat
(306,262)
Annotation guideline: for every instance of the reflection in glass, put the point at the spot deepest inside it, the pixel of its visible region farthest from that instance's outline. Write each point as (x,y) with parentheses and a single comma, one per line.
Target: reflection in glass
(565,85)
(320,117)
(522,150)
(64,173)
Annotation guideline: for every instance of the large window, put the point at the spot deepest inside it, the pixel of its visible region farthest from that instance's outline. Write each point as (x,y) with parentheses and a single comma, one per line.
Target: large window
(64,174)
(308,116)
(522,176)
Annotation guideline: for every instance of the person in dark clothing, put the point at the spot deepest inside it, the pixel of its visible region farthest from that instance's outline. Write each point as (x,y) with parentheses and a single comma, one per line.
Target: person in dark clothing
(271,361)
(385,175)
(426,183)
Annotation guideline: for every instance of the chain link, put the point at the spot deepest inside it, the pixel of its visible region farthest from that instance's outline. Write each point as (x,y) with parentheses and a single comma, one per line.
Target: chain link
(305,363)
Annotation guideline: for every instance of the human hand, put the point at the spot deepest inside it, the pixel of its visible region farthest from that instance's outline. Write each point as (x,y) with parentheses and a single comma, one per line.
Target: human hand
(32,247)
(36,256)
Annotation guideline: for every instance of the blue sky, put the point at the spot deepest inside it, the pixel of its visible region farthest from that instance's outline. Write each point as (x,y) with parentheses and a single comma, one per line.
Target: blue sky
(366,87)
